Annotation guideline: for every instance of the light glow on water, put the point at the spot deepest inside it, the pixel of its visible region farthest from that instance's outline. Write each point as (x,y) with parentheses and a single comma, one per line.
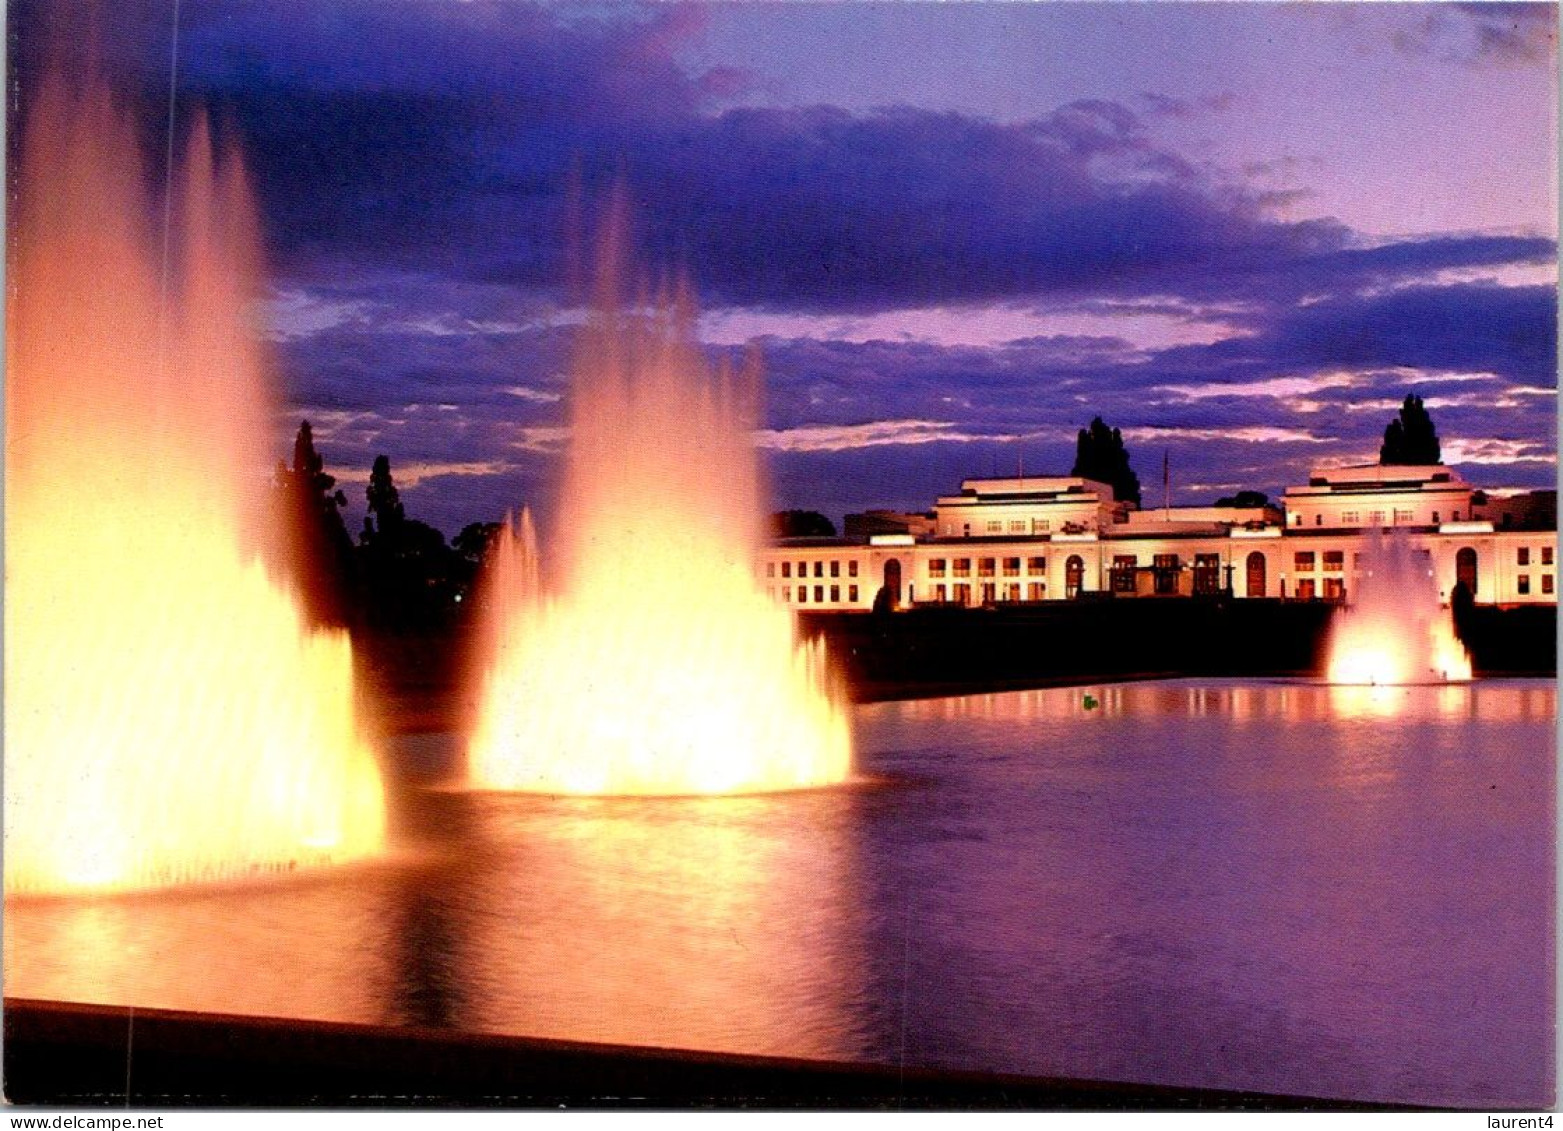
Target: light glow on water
(1395,631)
(168,716)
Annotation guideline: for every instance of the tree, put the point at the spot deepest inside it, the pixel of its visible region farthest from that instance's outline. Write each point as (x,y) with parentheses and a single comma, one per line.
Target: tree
(319,550)
(1100,455)
(801,524)
(385,512)
(1411,438)
(1244,499)
(474,540)
(412,578)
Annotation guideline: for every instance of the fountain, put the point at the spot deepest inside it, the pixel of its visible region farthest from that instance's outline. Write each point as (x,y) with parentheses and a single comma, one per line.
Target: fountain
(660,666)
(1395,631)
(168,716)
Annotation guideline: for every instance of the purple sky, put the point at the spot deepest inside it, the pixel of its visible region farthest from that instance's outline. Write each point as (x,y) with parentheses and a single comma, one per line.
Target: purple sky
(1240,233)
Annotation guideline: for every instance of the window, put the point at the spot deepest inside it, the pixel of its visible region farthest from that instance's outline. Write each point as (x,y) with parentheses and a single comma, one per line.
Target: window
(819,594)
(995,526)
(1041,525)
(803,569)
(1011,567)
(1375,518)
(987,593)
(1318,519)
(1017,526)
(1436,519)
(770,569)
(965,530)
(786,569)
(1546,555)
(1404,515)
(1121,577)
(1304,559)
(1036,591)
(852,568)
(1207,573)
(1524,558)
(1166,572)
(1350,518)
(819,571)
(1012,592)
(852,593)
(985,567)
(1036,565)
(1456,516)
(1334,589)
(1524,584)
(835,594)
(786,593)
(1305,589)
(935,567)
(963,594)
(962,567)
(1334,561)
(803,594)
(835,568)
(940,594)
(1546,583)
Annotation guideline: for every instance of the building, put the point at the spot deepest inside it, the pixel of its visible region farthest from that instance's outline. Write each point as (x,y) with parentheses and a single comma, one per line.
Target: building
(1014,541)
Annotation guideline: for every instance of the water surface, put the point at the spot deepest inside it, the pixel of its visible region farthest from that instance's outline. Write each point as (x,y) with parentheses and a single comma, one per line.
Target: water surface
(1287,887)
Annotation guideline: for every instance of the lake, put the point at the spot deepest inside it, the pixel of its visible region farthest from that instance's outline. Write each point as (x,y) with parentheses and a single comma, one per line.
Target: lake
(1277,886)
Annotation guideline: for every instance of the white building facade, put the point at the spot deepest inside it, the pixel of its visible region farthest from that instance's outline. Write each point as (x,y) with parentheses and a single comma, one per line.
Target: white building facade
(1018,541)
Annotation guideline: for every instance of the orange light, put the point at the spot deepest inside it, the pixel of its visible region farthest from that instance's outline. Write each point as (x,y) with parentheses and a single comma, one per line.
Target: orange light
(168,717)
(661,666)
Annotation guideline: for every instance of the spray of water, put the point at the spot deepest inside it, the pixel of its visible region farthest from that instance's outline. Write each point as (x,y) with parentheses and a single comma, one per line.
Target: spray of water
(1395,630)
(660,665)
(168,717)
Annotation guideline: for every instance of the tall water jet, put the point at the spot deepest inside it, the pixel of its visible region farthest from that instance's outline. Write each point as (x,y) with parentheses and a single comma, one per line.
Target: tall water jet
(660,666)
(1395,630)
(168,716)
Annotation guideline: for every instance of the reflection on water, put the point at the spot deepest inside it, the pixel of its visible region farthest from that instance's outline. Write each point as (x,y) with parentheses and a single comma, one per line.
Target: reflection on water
(1287,887)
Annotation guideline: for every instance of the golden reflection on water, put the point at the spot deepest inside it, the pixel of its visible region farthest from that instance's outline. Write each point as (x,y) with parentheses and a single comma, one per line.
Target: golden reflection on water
(310,947)
(713,923)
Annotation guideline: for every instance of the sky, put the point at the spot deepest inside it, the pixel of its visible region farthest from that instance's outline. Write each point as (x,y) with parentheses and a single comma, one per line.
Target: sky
(1240,233)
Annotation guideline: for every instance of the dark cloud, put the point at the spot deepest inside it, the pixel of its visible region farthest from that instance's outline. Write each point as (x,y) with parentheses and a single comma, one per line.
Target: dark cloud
(421,163)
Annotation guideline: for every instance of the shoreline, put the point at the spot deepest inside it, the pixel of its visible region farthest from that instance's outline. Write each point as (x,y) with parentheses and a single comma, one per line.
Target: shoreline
(75,1054)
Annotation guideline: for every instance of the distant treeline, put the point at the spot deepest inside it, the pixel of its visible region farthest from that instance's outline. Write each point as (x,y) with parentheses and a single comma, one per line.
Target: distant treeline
(399,575)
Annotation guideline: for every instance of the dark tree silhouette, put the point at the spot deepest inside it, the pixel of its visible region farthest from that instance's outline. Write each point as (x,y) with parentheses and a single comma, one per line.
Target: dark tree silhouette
(319,551)
(385,512)
(801,524)
(412,579)
(1100,455)
(1244,499)
(1411,438)
(474,540)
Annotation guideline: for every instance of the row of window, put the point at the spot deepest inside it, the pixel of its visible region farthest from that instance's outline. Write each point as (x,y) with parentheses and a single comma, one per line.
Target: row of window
(961,594)
(1522,583)
(802,592)
(1522,556)
(819,568)
(961,567)
(1018,526)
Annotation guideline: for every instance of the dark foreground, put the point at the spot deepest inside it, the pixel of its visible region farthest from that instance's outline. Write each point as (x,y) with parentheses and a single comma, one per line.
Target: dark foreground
(86,1056)
(938,651)
(931,651)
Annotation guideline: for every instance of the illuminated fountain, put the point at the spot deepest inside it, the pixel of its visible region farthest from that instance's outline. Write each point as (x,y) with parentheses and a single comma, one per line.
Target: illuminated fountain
(660,666)
(1395,631)
(168,716)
